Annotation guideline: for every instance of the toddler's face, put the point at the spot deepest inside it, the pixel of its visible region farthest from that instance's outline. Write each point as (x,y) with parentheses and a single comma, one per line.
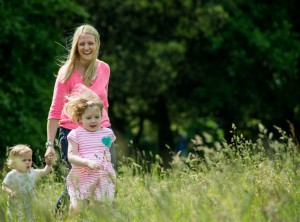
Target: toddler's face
(24,162)
(91,119)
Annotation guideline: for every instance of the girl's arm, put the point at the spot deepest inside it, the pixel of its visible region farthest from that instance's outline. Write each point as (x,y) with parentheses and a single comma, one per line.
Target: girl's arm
(77,160)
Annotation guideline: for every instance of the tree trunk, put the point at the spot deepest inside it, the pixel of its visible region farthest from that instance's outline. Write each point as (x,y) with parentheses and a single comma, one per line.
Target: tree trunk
(165,137)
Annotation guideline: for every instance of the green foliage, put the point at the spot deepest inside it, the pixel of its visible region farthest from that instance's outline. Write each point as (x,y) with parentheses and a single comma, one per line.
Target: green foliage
(261,57)
(153,64)
(28,53)
(241,180)
(176,66)
(223,61)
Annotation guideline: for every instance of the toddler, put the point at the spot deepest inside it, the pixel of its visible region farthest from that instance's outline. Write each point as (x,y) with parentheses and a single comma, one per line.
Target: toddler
(19,183)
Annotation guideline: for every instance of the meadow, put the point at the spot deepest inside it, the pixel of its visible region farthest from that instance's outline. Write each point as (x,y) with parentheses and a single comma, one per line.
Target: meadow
(240,180)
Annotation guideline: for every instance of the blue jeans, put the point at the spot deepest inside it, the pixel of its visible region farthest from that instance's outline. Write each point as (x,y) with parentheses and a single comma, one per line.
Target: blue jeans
(63,143)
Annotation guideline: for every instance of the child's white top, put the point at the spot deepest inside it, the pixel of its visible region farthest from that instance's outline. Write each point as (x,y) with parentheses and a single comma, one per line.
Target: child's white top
(22,182)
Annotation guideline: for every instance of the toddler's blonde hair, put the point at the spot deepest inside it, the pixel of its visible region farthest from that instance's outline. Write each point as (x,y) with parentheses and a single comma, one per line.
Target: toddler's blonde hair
(15,152)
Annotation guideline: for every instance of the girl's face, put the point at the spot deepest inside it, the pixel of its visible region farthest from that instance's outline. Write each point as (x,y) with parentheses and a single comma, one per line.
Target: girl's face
(24,162)
(91,118)
(86,47)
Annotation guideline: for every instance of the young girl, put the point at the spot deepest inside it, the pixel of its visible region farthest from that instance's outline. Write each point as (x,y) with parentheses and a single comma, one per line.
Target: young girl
(20,182)
(92,176)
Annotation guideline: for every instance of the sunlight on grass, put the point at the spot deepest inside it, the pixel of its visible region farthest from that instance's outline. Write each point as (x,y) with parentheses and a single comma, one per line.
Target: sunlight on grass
(237,181)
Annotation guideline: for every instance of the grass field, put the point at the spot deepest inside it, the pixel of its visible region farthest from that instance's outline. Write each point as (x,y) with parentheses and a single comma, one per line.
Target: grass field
(237,181)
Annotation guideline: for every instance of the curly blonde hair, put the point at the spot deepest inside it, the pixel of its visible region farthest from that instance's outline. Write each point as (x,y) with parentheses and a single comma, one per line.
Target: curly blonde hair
(16,152)
(79,101)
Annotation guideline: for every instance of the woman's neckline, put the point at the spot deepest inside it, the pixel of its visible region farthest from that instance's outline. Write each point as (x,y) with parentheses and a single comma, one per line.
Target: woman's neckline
(80,71)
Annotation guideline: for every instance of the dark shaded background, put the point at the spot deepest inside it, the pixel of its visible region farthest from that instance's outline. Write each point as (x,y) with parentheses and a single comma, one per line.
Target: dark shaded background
(178,68)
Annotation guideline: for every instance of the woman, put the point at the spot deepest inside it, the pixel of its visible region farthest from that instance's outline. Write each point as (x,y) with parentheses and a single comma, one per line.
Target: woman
(82,66)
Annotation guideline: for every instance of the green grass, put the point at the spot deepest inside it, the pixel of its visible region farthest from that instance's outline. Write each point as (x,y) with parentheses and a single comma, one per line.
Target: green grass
(237,181)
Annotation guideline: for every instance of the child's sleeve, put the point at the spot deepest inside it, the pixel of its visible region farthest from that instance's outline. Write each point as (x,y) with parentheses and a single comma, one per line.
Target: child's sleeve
(72,136)
(37,173)
(7,180)
(7,184)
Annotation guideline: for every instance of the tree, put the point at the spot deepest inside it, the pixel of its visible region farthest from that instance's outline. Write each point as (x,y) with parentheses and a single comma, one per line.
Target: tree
(196,66)
(28,56)
(210,61)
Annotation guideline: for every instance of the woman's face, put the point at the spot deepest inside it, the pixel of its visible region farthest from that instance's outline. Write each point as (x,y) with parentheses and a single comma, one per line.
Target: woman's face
(86,47)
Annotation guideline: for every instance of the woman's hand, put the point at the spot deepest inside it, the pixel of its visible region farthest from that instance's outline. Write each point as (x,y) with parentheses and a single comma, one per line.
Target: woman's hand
(50,155)
(50,160)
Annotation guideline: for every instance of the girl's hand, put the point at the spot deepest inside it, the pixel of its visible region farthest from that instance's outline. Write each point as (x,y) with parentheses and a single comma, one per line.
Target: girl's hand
(9,191)
(13,194)
(94,165)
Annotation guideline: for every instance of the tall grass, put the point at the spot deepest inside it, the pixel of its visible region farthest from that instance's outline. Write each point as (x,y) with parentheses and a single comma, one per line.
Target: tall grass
(240,180)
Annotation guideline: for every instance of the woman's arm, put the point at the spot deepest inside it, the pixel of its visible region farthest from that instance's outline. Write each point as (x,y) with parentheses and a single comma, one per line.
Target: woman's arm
(52,126)
(55,111)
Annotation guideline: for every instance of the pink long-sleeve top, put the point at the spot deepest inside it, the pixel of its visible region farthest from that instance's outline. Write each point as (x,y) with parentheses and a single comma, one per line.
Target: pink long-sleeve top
(61,90)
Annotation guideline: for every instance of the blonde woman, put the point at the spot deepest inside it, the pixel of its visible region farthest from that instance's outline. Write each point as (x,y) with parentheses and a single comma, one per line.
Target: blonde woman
(82,66)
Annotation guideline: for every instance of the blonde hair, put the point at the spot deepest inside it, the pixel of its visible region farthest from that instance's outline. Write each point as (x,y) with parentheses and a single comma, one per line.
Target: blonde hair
(15,152)
(79,101)
(73,54)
